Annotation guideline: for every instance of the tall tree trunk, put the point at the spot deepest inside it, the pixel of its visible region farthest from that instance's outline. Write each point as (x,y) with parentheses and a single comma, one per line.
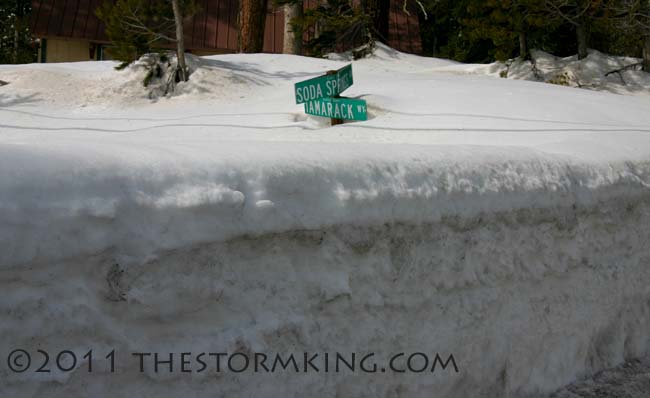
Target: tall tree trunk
(292,43)
(252,18)
(15,49)
(180,41)
(646,54)
(582,36)
(524,54)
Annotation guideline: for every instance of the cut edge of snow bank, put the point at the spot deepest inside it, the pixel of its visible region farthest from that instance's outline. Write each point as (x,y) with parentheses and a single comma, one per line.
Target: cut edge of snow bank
(525,300)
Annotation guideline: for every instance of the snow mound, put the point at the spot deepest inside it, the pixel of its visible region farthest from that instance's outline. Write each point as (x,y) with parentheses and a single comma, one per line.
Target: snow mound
(598,71)
(209,79)
(390,58)
(97,85)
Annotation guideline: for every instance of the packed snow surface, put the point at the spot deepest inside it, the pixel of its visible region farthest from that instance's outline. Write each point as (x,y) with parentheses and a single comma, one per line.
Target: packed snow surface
(502,221)
(89,161)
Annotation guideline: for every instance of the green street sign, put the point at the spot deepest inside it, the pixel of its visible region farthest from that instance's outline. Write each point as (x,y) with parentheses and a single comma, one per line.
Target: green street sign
(338,108)
(324,86)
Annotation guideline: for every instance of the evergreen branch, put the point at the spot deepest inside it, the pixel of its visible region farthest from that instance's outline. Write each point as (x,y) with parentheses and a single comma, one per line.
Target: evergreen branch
(561,13)
(623,69)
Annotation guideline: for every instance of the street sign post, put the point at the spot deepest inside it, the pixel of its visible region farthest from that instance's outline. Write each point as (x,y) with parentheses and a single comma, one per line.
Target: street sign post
(324,86)
(321,97)
(338,108)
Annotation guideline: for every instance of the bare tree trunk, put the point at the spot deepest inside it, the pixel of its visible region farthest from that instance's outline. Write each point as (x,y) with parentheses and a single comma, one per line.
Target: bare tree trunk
(252,18)
(292,43)
(524,54)
(646,54)
(180,41)
(582,36)
(15,49)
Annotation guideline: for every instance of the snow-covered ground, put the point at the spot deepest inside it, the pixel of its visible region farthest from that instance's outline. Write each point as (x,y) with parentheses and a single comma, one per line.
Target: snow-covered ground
(600,72)
(502,221)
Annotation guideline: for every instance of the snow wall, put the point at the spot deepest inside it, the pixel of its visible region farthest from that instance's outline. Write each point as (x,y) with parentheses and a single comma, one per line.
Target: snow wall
(526,300)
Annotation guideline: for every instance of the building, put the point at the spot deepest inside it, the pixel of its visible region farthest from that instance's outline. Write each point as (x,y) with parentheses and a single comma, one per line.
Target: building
(68,30)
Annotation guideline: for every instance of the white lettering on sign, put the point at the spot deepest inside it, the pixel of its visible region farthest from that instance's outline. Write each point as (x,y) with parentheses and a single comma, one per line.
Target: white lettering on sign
(309,93)
(332,87)
(336,109)
(324,86)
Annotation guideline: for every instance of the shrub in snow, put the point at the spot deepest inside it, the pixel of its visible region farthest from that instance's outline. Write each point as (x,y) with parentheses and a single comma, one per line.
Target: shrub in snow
(162,73)
(566,78)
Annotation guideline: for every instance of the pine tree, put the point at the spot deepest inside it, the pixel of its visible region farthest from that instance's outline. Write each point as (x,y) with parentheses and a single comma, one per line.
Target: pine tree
(581,14)
(443,28)
(338,25)
(136,27)
(485,30)
(507,23)
(16,43)
(631,20)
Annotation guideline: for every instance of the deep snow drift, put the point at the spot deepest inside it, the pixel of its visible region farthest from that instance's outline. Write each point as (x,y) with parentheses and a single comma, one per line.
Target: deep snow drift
(504,222)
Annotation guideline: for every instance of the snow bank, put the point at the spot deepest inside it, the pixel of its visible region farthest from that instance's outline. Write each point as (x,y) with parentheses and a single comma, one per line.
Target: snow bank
(501,221)
(598,71)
